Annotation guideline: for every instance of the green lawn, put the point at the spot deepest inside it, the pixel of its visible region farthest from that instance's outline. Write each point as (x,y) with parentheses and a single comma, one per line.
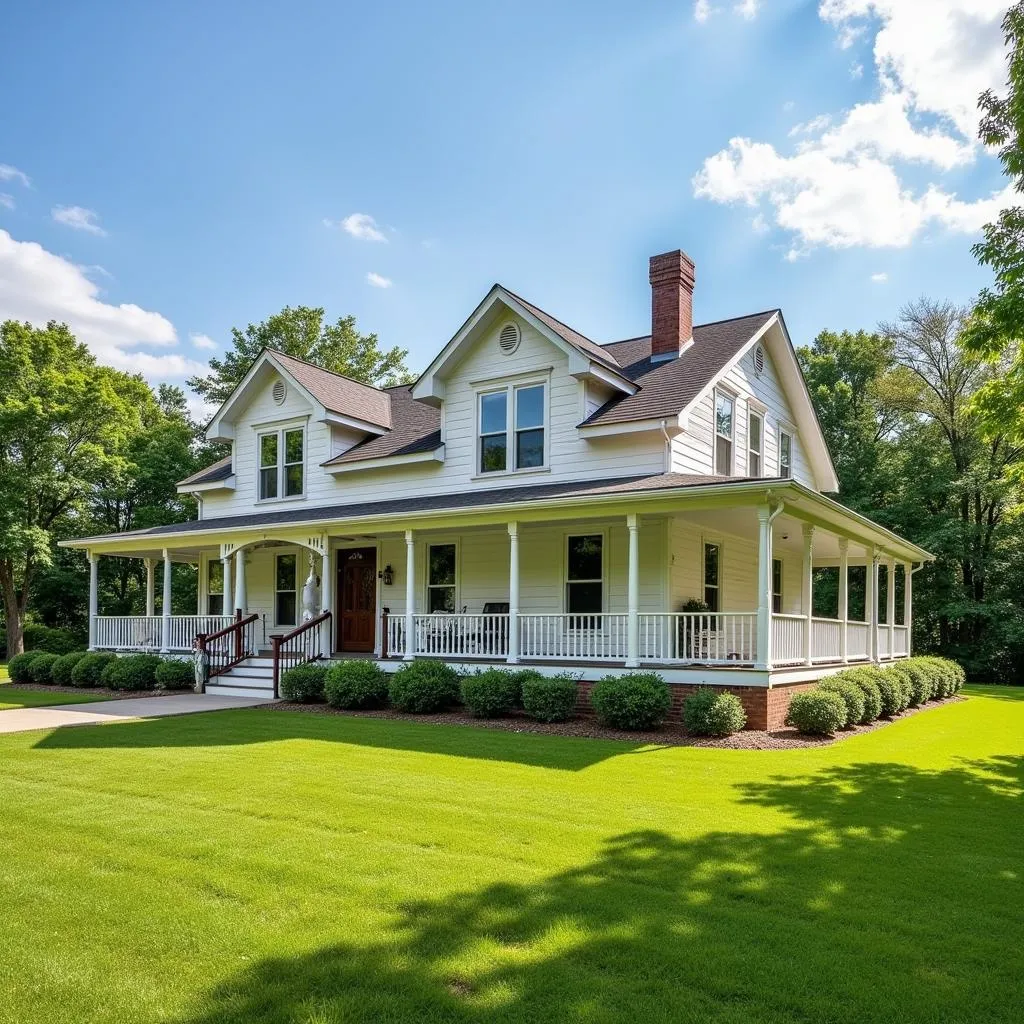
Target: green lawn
(266,866)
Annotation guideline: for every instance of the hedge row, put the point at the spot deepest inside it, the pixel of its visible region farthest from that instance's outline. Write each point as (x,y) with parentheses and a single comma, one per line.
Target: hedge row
(638,700)
(860,695)
(101,668)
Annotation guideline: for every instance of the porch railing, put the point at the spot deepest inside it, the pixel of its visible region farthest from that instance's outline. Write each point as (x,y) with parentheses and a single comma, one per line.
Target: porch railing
(883,641)
(146,632)
(573,637)
(788,639)
(226,647)
(857,634)
(304,643)
(698,637)
(826,639)
(901,642)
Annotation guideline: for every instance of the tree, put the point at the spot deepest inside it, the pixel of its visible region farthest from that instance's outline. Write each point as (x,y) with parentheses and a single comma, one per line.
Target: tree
(302,332)
(64,422)
(995,331)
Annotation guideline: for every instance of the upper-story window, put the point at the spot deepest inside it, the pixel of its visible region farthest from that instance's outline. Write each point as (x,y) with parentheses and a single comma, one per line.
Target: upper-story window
(785,454)
(725,417)
(755,444)
(282,462)
(512,432)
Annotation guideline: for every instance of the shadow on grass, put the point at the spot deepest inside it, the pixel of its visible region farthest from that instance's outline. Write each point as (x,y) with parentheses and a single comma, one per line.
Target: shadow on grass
(231,728)
(894,894)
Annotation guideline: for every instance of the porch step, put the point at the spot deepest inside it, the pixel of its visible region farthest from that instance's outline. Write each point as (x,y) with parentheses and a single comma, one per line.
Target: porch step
(238,690)
(253,677)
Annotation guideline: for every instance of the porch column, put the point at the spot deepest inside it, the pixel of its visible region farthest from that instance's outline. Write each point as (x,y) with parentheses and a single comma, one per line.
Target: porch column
(410,596)
(327,603)
(807,590)
(240,596)
(633,594)
(871,601)
(844,599)
(165,645)
(150,587)
(890,602)
(94,597)
(764,588)
(908,575)
(202,580)
(226,586)
(513,593)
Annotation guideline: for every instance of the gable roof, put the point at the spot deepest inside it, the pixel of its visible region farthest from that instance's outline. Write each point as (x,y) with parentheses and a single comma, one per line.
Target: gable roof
(219,470)
(415,428)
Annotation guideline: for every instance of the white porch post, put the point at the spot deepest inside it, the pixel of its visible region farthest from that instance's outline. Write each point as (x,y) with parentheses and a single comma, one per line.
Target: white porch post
(807,591)
(202,577)
(908,575)
(240,596)
(890,603)
(513,593)
(94,597)
(633,594)
(165,645)
(226,586)
(764,588)
(150,587)
(871,601)
(844,599)
(327,602)
(410,596)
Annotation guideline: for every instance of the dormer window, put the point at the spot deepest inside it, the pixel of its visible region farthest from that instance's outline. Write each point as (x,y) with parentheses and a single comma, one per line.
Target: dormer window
(785,455)
(512,434)
(282,462)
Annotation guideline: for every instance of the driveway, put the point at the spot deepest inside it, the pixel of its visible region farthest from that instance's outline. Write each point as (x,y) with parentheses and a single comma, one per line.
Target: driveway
(27,719)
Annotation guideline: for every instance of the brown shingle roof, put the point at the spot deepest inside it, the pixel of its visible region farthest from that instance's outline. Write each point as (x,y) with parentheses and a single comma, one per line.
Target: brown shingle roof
(415,428)
(220,470)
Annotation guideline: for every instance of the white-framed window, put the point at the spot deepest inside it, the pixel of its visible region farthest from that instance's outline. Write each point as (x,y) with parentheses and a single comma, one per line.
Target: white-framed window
(281,463)
(286,574)
(755,443)
(785,454)
(584,574)
(725,427)
(712,575)
(513,428)
(442,577)
(214,587)
(777,586)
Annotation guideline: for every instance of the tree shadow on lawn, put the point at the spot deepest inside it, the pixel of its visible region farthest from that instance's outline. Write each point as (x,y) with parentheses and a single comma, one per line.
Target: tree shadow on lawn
(250,726)
(894,896)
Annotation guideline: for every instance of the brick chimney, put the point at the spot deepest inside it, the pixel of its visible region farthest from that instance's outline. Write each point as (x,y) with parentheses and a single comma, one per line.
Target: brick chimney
(672,277)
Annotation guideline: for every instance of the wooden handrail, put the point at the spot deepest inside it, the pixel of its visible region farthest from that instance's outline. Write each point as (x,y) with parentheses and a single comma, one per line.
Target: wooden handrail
(229,629)
(277,642)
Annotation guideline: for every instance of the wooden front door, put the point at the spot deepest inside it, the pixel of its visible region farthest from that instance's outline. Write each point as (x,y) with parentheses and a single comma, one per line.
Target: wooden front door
(357,599)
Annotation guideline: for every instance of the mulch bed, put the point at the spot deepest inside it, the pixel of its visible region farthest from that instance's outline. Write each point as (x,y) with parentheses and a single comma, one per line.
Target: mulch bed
(670,735)
(101,691)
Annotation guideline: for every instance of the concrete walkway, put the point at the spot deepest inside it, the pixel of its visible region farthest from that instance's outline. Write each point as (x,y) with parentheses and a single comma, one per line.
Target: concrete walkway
(132,709)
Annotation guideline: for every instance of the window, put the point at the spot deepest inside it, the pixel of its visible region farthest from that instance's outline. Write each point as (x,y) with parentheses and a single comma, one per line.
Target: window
(441,578)
(285,590)
(724,410)
(584,585)
(712,576)
(281,463)
(777,586)
(214,587)
(755,443)
(785,455)
(527,404)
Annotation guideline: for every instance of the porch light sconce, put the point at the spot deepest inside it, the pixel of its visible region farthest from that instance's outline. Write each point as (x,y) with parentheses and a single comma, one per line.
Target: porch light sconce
(387,575)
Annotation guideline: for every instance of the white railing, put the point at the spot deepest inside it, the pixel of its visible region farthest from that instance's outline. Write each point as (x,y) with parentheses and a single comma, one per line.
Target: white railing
(698,637)
(146,632)
(461,636)
(883,642)
(573,637)
(857,634)
(901,642)
(826,639)
(394,635)
(788,639)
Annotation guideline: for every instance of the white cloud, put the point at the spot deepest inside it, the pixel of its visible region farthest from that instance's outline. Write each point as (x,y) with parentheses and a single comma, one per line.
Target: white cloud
(856,70)
(36,285)
(702,10)
(378,280)
(759,225)
(9,173)
(364,227)
(879,278)
(7,200)
(203,341)
(842,185)
(79,218)
(747,9)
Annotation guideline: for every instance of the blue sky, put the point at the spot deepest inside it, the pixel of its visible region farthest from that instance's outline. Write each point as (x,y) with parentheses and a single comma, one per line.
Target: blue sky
(168,171)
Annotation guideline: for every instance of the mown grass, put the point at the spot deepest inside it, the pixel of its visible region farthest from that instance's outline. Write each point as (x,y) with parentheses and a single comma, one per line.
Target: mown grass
(11,697)
(268,866)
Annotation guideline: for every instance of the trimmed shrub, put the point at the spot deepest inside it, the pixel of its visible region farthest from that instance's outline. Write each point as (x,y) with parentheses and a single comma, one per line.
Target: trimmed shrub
(61,671)
(46,638)
(423,686)
(41,668)
(852,696)
(18,667)
(817,712)
(947,676)
(491,693)
(175,674)
(304,683)
(89,670)
(711,712)
(133,672)
(865,679)
(899,672)
(891,690)
(640,700)
(356,684)
(921,684)
(548,700)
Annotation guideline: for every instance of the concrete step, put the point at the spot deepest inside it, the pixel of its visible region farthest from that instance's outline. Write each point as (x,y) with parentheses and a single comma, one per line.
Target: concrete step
(225,689)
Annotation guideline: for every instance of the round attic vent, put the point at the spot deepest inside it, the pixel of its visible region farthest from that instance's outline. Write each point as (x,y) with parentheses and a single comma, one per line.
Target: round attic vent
(279,392)
(758,360)
(508,340)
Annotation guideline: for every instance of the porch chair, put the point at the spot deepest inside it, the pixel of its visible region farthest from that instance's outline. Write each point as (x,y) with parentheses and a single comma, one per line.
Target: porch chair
(493,634)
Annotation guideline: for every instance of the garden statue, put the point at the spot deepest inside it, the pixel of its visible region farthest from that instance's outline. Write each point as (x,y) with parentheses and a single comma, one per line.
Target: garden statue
(200,665)
(310,595)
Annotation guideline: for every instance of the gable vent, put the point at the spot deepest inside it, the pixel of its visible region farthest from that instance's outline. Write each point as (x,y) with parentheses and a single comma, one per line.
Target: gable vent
(279,392)
(759,360)
(508,340)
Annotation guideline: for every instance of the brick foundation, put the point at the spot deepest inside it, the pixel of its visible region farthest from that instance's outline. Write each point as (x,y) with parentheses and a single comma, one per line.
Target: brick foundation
(766,707)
